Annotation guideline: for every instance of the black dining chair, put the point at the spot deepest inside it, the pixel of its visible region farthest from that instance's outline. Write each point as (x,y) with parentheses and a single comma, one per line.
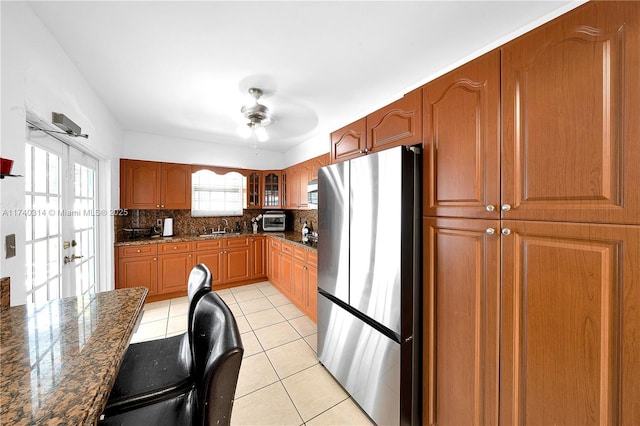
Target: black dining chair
(217,354)
(159,369)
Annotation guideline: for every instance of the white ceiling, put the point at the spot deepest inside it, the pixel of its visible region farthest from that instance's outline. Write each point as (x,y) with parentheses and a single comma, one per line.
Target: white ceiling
(182,69)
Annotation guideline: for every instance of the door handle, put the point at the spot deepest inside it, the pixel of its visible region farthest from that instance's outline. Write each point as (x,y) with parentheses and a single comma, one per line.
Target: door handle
(71,258)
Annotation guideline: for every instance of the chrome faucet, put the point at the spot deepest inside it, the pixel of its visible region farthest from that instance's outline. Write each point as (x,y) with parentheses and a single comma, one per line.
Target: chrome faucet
(226,225)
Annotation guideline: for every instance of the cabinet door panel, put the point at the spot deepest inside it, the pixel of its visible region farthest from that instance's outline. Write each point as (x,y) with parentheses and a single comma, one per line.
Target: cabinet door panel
(461,321)
(349,142)
(258,257)
(254,190)
(141,184)
(236,267)
(213,260)
(298,278)
(570,322)
(286,274)
(570,99)
(311,300)
(271,189)
(399,123)
(462,141)
(173,272)
(176,186)
(273,271)
(138,271)
(304,173)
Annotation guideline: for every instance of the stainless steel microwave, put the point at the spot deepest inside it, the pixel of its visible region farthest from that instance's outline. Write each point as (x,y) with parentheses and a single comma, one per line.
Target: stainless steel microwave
(312,194)
(274,221)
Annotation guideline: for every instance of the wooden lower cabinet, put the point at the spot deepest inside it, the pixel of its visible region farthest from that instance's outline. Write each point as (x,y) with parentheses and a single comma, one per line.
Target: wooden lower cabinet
(236,264)
(311,297)
(173,272)
(305,288)
(273,268)
(138,271)
(213,260)
(286,274)
(175,261)
(228,259)
(293,270)
(164,268)
(553,341)
(258,257)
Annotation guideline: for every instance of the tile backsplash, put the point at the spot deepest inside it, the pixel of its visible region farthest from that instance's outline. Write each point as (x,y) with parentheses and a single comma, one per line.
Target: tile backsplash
(185,224)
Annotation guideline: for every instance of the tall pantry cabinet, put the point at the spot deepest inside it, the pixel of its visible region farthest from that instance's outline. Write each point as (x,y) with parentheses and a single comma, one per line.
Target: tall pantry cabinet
(532,228)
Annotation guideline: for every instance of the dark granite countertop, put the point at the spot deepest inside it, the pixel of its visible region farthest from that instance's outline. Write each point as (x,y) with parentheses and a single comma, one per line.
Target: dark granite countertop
(291,237)
(59,359)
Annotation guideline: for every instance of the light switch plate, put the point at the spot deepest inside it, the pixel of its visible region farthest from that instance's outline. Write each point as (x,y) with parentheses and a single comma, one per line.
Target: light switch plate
(10,244)
(158,222)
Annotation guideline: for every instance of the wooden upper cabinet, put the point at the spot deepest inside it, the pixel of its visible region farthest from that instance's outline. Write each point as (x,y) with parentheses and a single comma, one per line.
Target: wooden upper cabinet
(316,163)
(271,188)
(254,190)
(461,155)
(571,102)
(139,184)
(399,123)
(570,323)
(461,321)
(304,176)
(176,186)
(290,187)
(349,141)
(149,185)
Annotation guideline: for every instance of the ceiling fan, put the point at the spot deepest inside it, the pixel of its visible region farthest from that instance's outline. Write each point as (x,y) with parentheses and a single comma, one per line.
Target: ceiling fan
(257,115)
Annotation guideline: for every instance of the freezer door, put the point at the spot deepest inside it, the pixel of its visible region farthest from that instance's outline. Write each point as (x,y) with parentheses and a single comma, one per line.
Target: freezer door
(333,230)
(376,232)
(363,360)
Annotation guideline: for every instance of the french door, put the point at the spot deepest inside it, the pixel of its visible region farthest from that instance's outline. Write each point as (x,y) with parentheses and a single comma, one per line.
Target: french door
(61,212)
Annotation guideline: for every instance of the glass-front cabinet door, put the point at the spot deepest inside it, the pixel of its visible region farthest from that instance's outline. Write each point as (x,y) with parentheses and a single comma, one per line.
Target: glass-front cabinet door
(253,190)
(271,189)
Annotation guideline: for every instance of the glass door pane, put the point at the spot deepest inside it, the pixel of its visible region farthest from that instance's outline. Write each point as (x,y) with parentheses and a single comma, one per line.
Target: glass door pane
(83,245)
(62,214)
(43,201)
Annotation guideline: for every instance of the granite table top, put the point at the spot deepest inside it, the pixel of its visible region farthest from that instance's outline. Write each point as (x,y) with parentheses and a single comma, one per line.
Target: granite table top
(59,359)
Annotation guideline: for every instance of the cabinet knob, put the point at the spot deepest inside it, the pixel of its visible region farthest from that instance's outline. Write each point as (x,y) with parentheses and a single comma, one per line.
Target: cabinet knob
(490,207)
(506,231)
(189,255)
(490,231)
(154,259)
(138,251)
(506,207)
(175,248)
(162,206)
(157,205)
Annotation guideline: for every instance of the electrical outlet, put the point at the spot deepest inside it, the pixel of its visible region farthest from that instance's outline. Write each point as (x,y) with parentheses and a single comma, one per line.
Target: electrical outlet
(158,222)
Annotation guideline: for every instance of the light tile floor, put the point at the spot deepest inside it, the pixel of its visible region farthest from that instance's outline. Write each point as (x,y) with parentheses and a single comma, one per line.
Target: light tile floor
(281,381)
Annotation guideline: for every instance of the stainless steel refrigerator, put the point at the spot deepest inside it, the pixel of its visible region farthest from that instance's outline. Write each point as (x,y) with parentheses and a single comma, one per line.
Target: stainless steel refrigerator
(369,275)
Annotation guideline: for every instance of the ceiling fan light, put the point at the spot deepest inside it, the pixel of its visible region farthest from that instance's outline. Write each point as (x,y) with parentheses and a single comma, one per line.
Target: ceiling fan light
(261,134)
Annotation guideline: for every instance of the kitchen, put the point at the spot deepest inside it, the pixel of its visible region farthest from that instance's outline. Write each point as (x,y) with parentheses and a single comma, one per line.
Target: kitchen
(459,216)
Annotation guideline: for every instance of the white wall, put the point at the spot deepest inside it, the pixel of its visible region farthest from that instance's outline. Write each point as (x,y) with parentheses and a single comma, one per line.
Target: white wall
(37,76)
(145,146)
(314,147)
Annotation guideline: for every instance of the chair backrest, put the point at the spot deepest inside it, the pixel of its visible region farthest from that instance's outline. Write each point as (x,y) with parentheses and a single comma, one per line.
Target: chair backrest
(199,284)
(217,350)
